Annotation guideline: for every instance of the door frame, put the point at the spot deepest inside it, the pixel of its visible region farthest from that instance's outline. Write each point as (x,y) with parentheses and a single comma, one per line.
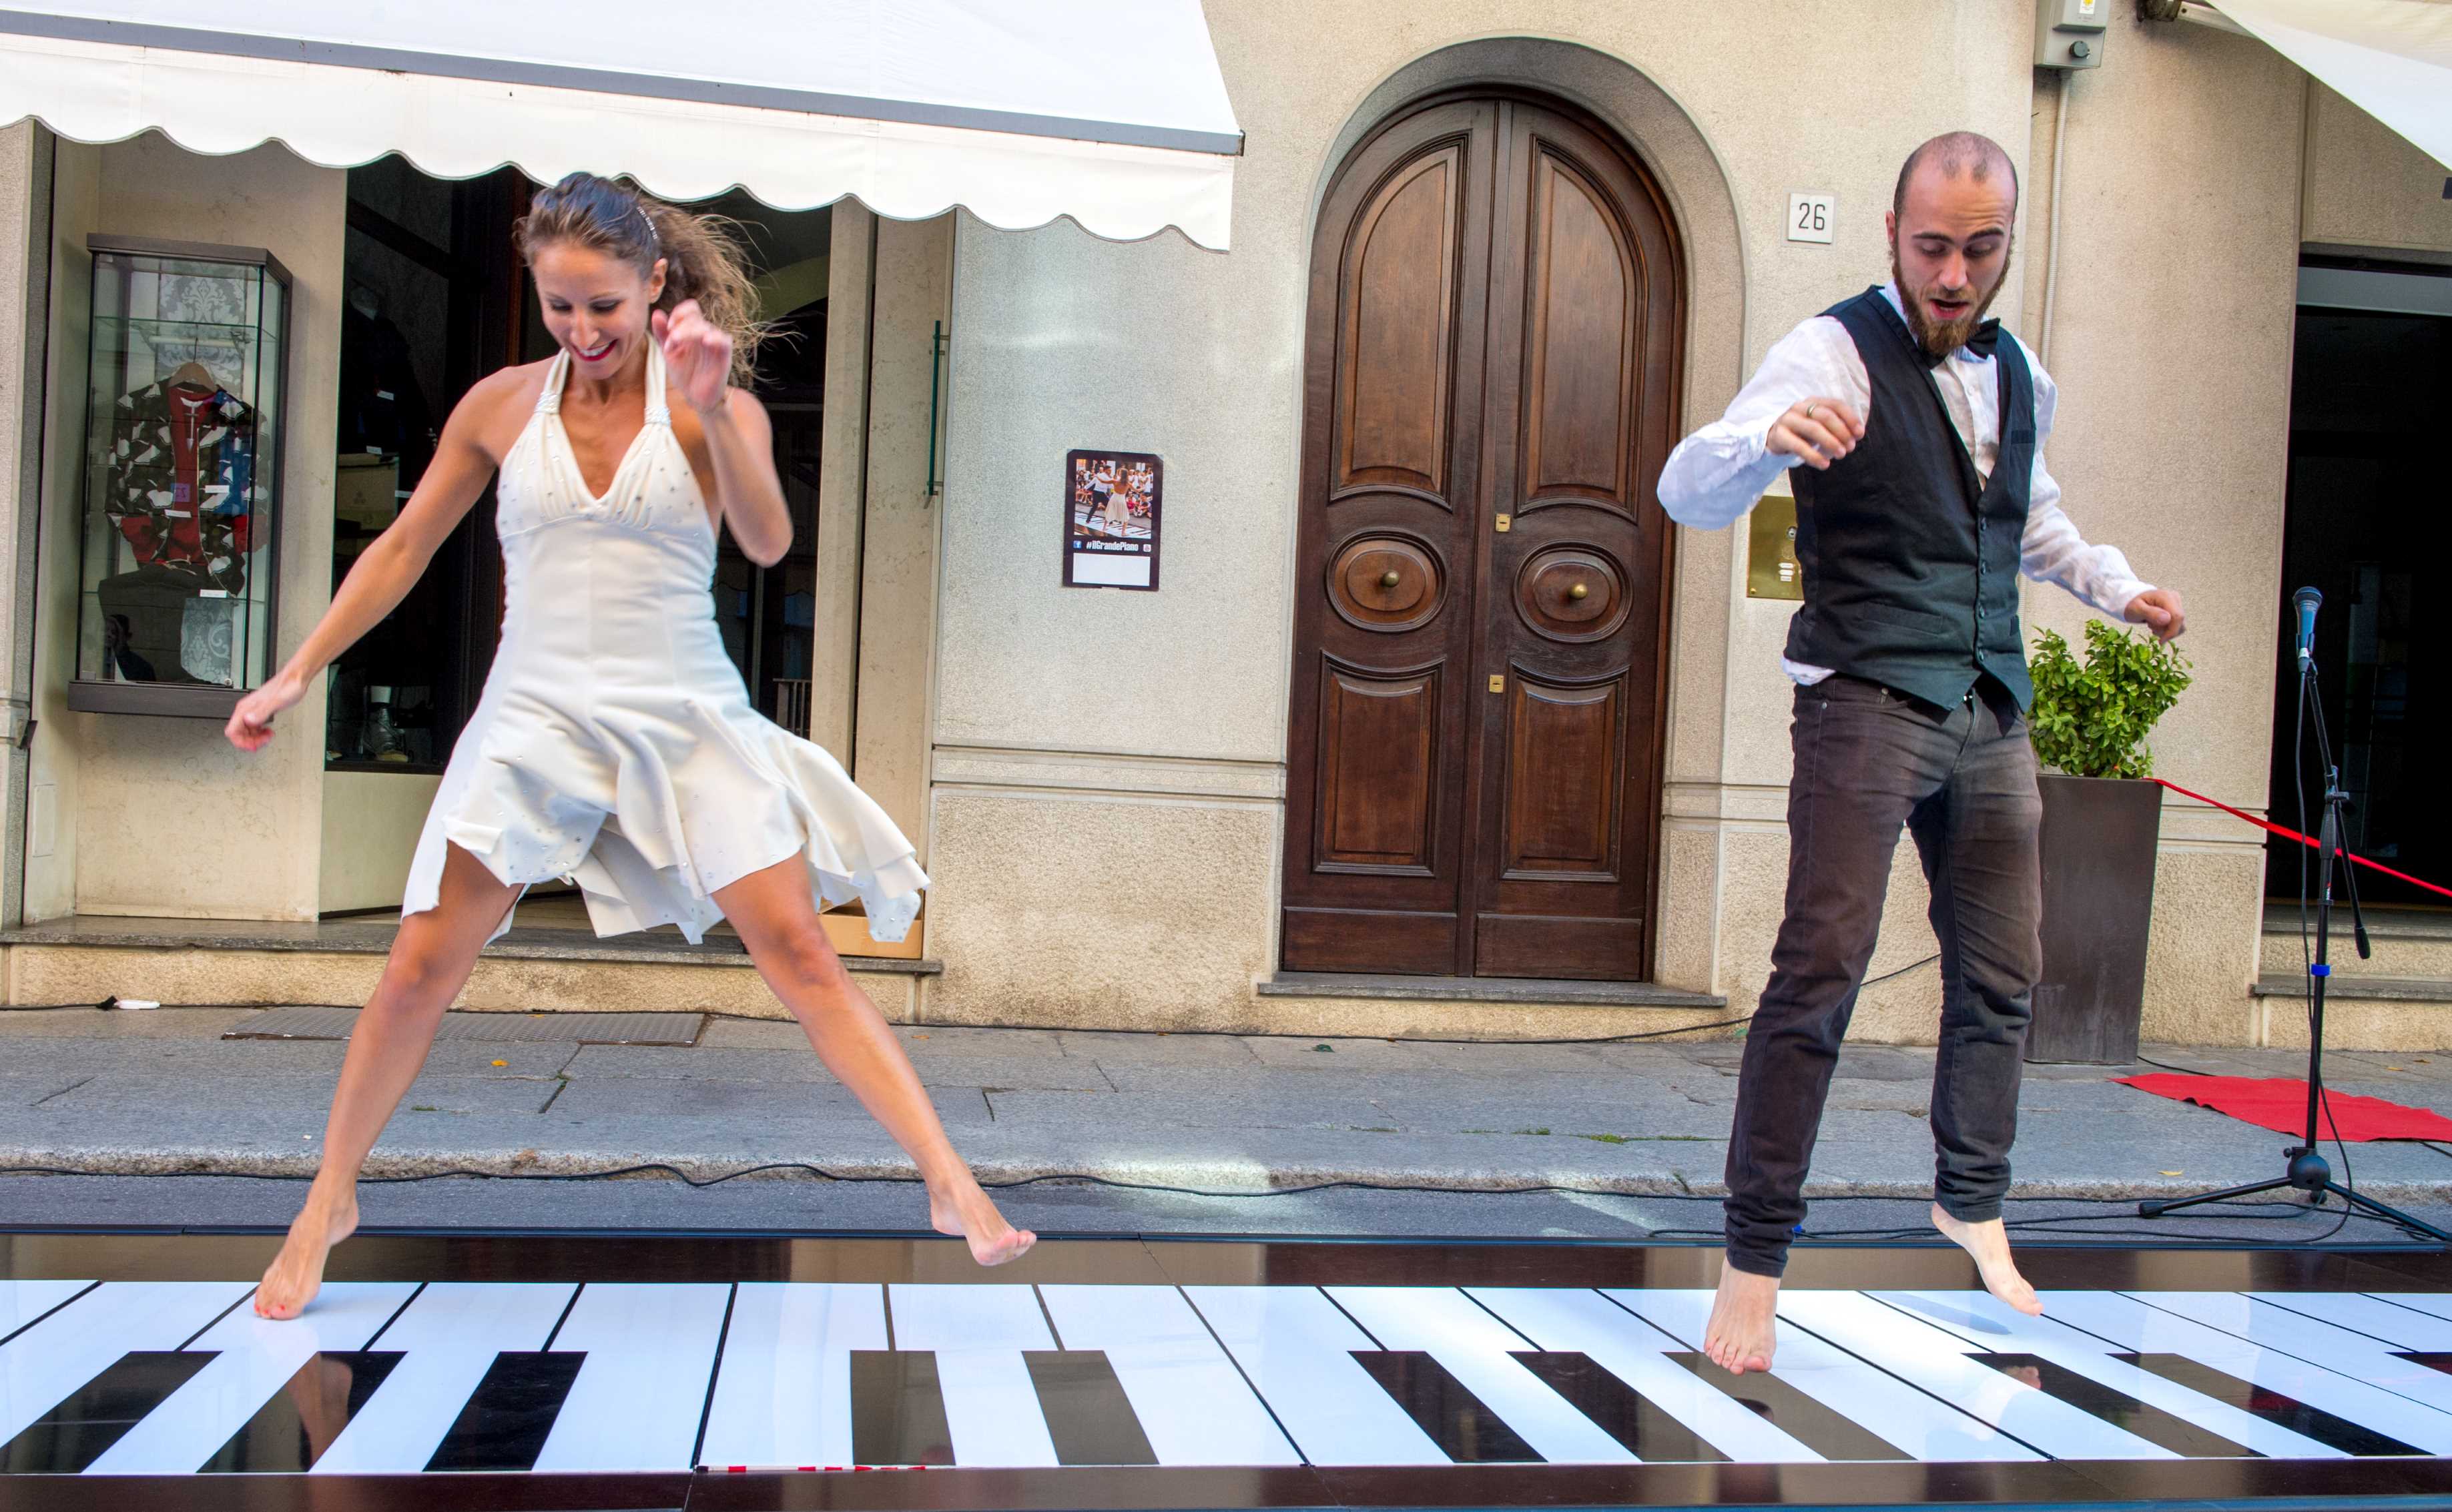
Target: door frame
(1319,338)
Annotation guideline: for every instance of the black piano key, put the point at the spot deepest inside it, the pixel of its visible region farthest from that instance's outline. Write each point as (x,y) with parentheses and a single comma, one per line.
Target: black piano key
(1088,1415)
(95,1416)
(291,1432)
(1459,1423)
(1825,1431)
(898,1409)
(2317,1423)
(1616,1408)
(511,1413)
(2116,1407)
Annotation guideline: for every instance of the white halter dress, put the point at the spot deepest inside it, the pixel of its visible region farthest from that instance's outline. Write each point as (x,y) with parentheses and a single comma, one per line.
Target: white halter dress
(615,743)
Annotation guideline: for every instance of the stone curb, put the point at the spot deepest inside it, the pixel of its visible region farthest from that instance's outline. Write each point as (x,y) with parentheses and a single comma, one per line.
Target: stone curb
(1191,1172)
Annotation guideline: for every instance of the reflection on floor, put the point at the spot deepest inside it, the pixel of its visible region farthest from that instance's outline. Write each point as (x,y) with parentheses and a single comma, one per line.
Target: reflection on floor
(1355,1360)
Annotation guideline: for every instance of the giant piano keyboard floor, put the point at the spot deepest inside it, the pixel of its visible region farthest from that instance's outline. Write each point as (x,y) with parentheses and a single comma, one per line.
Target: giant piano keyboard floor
(735,1373)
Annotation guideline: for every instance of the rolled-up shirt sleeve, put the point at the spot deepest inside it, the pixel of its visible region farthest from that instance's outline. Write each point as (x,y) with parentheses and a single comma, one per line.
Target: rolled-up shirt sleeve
(2051,550)
(1716,474)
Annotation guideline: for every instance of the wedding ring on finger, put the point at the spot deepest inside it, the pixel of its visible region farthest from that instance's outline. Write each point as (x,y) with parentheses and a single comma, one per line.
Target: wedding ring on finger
(1811,410)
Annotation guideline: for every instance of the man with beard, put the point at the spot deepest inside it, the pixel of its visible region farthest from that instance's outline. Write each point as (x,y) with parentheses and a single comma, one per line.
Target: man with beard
(1922,494)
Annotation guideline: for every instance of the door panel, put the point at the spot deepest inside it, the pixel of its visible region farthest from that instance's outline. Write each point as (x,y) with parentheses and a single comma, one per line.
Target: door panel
(1473,778)
(1561,822)
(1393,370)
(1378,769)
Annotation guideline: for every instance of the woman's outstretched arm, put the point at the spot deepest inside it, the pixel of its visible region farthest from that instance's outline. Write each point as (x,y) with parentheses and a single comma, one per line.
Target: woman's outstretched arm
(385,571)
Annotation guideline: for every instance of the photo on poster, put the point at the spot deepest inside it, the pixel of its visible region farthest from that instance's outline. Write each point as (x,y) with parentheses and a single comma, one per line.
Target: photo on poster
(1111,518)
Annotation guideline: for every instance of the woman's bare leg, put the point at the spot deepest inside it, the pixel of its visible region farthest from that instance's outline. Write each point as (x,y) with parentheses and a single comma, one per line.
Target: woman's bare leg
(779,923)
(431,959)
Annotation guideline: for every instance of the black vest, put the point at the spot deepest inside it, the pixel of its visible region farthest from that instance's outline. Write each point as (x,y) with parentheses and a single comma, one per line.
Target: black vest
(1911,555)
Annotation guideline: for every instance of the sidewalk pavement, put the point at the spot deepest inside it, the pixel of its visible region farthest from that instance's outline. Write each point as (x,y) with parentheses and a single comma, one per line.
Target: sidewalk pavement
(161,1092)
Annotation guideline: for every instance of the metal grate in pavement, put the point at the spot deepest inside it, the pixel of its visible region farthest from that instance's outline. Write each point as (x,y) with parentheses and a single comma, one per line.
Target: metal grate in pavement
(586,1028)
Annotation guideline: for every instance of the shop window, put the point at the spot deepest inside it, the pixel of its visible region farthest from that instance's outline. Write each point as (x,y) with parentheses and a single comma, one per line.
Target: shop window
(429,280)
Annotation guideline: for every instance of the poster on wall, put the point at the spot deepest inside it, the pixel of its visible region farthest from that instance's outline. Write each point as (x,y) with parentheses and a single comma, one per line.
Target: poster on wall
(1111,518)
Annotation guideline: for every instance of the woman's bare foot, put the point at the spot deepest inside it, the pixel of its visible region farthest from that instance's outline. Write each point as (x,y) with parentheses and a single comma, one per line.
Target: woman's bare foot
(1743,1330)
(969,1214)
(297,1273)
(1989,1244)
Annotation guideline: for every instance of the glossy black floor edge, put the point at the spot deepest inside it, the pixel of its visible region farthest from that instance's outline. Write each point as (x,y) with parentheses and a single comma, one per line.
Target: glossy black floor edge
(92,1254)
(2198,1485)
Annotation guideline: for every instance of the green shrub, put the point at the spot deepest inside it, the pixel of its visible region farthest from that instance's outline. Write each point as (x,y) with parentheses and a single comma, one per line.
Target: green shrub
(2089,719)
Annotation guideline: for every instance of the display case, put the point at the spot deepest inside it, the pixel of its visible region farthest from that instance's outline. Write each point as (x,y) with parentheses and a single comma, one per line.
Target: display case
(182,479)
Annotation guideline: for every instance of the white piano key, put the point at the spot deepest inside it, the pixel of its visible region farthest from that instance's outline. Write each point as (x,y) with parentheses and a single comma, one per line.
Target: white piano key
(40,1366)
(1193,1404)
(1989,1323)
(978,1333)
(2437,1304)
(2309,1339)
(782,1394)
(2380,1317)
(1573,1320)
(22,1302)
(2136,1327)
(1924,1356)
(448,1339)
(641,1390)
(1882,1404)
(1296,1347)
(1457,1332)
(254,1358)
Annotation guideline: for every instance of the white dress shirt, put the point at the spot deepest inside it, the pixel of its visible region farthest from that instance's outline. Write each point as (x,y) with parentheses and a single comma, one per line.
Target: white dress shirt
(1715,474)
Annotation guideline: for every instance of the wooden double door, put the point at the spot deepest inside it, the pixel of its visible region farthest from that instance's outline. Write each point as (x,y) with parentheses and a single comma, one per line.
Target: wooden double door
(1481,608)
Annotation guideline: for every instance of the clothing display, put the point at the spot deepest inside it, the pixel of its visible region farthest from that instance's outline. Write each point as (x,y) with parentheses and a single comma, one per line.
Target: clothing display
(615,742)
(158,628)
(180,483)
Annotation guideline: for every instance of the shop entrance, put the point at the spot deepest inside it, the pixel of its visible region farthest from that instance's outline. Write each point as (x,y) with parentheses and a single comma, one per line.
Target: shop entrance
(1481,605)
(2371,371)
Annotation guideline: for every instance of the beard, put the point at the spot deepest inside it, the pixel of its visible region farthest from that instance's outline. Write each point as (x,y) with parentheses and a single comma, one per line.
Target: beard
(1940,340)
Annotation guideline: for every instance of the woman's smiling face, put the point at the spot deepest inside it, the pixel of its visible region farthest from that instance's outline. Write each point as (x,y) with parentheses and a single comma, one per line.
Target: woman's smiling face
(596,305)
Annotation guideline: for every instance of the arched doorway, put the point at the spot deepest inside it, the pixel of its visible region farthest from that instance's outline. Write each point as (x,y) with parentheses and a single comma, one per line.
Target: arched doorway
(1491,367)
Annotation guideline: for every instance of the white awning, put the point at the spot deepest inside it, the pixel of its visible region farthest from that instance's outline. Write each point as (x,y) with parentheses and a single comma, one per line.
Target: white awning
(2390,58)
(1110,111)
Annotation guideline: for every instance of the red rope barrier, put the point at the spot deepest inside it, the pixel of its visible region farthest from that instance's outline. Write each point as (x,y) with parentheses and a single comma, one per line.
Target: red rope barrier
(2293,835)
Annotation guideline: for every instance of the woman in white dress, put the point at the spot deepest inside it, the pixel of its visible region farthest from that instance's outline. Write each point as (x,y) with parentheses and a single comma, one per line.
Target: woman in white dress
(615,743)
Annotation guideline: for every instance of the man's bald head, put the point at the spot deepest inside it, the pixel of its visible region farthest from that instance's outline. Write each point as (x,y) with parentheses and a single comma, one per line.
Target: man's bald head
(1955,154)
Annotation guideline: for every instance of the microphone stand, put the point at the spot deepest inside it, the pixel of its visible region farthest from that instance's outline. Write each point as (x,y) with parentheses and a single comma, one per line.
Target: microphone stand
(2308,1170)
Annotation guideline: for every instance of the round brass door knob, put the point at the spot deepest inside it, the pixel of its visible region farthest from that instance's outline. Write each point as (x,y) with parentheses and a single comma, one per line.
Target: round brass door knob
(1580,591)
(1389,580)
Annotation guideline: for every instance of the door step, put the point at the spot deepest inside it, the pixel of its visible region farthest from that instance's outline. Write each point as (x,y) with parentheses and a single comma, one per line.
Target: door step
(1485,990)
(2362,1013)
(86,959)
(2410,944)
(1479,1007)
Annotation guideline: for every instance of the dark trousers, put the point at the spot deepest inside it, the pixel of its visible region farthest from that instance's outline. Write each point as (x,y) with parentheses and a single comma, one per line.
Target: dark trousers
(1962,780)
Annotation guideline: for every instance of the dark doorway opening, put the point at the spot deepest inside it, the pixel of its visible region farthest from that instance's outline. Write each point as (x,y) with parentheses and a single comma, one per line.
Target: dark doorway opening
(2372,372)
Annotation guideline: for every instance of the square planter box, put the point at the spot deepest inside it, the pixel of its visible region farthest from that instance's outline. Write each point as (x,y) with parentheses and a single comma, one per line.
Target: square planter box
(2099,839)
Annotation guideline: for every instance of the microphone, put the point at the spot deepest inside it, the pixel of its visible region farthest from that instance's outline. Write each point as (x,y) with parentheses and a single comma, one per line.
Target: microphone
(2307,600)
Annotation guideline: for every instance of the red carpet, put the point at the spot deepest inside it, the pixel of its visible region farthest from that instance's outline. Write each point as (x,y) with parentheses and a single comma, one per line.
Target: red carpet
(2280,1103)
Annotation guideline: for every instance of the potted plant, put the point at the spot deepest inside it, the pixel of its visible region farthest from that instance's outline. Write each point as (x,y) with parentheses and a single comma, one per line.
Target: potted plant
(2101,822)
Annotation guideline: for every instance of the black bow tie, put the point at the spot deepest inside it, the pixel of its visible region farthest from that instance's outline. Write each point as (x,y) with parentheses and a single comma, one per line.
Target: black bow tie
(1986,340)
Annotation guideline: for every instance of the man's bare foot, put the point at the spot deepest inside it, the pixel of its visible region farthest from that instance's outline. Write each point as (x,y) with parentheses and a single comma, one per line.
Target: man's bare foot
(1989,1244)
(297,1273)
(1742,1332)
(970,1215)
